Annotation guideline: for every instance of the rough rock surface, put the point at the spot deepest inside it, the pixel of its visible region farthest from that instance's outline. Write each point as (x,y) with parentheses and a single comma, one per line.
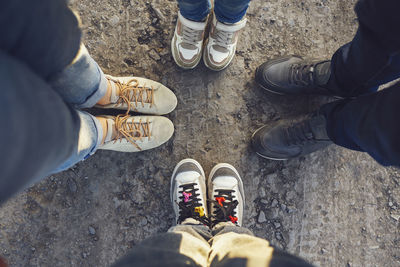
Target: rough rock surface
(335,207)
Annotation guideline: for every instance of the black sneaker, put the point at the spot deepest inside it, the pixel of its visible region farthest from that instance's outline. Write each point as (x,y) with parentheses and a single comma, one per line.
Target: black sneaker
(289,140)
(226,195)
(188,192)
(294,75)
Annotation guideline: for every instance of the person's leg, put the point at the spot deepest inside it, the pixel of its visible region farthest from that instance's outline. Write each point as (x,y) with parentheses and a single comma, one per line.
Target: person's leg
(183,245)
(371,59)
(35,140)
(195,10)
(230,11)
(368,123)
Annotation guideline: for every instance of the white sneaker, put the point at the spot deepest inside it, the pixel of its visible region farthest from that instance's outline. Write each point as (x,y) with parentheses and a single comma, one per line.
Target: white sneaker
(187,43)
(220,46)
(136,133)
(225,190)
(140,95)
(188,192)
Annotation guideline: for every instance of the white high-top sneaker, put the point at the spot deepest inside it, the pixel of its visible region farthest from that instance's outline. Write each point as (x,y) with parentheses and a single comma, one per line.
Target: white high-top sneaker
(136,133)
(187,43)
(188,192)
(140,95)
(225,190)
(220,46)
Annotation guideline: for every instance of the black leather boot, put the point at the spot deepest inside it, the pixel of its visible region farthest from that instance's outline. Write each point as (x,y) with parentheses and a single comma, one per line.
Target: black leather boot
(286,140)
(294,75)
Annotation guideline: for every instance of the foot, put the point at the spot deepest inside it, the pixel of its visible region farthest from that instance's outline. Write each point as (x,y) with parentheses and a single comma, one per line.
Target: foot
(225,190)
(126,133)
(188,192)
(288,140)
(220,46)
(139,95)
(294,75)
(187,43)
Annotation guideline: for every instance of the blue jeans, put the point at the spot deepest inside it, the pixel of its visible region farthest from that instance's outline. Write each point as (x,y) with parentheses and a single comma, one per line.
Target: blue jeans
(227,11)
(45,80)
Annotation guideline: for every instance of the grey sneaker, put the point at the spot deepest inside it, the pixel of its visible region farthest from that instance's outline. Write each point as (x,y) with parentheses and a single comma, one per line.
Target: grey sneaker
(287,140)
(140,95)
(187,43)
(188,192)
(225,191)
(221,44)
(136,133)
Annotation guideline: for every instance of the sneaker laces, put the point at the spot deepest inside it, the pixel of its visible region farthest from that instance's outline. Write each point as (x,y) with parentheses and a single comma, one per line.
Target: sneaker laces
(191,36)
(131,93)
(299,133)
(190,205)
(302,74)
(131,131)
(223,38)
(224,207)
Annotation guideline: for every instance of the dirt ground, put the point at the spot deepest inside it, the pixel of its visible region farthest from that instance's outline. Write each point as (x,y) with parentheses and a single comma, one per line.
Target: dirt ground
(335,207)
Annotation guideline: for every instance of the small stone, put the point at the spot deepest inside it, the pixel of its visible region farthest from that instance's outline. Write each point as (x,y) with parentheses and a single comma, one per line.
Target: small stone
(291,209)
(323,251)
(390,203)
(219,120)
(395,216)
(114,20)
(262,193)
(277,225)
(33,249)
(154,55)
(264,201)
(261,217)
(278,236)
(283,206)
(218,95)
(274,203)
(92,231)
(72,185)
(143,222)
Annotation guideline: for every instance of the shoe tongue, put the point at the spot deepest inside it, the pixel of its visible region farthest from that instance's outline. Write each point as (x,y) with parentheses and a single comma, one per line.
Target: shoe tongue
(322,72)
(110,127)
(114,97)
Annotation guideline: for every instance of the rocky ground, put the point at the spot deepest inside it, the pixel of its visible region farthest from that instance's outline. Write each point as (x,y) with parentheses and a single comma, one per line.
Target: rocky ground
(335,207)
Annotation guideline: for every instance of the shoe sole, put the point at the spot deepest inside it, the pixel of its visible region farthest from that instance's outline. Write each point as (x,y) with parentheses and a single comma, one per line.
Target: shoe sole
(180,163)
(225,165)
(261,155)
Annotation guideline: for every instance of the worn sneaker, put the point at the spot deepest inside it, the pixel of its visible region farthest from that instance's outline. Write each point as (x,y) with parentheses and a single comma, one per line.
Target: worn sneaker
(288,140)
(221,44)
(136,133)
(294,75)
(226,194)
(187,43)
(188,192)
(140,95)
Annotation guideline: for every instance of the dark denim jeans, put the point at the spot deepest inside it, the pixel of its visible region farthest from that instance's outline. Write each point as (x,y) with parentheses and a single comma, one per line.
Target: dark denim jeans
(227,11)
(368,121)
(44,81)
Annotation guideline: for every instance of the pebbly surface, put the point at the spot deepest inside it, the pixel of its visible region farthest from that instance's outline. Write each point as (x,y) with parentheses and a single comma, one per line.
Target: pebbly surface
(334,208)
